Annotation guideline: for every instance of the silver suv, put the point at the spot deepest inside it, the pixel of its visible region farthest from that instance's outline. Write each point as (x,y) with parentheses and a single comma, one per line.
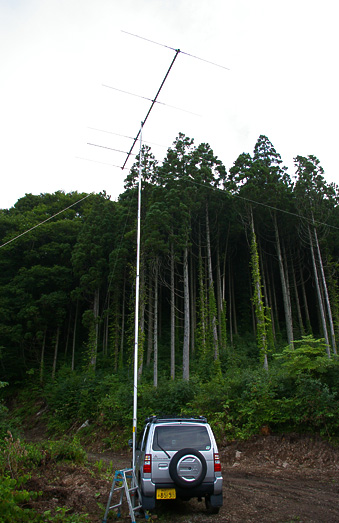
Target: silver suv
(178,458)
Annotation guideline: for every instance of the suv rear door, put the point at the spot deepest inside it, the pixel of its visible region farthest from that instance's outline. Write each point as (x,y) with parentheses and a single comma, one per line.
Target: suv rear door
(168,439)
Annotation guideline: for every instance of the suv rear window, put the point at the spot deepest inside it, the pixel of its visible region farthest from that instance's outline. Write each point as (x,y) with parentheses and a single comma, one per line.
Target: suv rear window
(176,438)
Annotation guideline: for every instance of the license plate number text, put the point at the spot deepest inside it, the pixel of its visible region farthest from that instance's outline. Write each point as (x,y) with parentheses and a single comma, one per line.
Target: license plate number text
(166,493)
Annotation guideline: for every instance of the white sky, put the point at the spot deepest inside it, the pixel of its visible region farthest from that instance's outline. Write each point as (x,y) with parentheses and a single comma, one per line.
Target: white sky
(56,54)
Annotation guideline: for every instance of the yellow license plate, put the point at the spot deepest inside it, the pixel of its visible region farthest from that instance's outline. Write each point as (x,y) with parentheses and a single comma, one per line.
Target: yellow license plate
(166,493)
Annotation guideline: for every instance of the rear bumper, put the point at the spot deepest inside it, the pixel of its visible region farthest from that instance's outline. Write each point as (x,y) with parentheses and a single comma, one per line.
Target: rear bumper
(148,488)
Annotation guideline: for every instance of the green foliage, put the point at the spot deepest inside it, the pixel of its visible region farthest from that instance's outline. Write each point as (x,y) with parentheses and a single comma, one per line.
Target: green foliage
(106,471)
(18,459)
(170,397)
(299,392)
(315,407)
(258,302)
(66,449)
(71,398)
(52,277)
(61,516)
(3,414)
(16,455)
(245,401)
(308,356)
(116,403)
(11,497)
(282,403)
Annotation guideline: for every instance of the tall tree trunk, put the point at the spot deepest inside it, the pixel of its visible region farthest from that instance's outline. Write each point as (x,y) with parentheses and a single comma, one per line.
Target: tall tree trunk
(211,289)
(116,330)
(186,344)
(270,299)
(95,341)
(327,299)
(275,305)
(122,333)
(172,313)
(150,321)
(68,333)
(307,312)
(219,301)
(258,298)
(320,301)
(202,299)
(56,348)
(224,277)
(106,326)
(155,328)
(297,301)
(267,303)
(233,310)
(231,303)
(141,345)
(192,305)
(284,286)
(75,333)
(42,358)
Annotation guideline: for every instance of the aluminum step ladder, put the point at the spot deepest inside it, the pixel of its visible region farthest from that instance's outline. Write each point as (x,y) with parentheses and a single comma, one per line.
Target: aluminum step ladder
(124,481)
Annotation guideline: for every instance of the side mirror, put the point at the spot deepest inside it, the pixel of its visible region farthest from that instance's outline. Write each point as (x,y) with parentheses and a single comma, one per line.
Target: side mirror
(130,443)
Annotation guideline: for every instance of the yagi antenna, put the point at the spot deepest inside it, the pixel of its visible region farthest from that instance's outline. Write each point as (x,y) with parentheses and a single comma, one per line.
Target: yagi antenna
(177,51)
(149,99)
(110,148)
(123,136)
(182,52)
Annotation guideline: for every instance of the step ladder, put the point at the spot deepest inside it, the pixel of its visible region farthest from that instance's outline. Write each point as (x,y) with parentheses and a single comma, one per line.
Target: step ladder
(124,481)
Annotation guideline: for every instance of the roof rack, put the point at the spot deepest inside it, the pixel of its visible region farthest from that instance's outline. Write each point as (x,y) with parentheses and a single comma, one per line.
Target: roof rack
(164,419)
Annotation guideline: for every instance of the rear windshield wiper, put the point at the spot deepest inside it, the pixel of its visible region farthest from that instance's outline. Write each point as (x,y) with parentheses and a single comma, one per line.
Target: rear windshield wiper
(160,447)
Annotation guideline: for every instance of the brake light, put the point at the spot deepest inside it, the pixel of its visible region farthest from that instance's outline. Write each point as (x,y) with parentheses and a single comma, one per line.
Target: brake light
(217,464)
(148,464)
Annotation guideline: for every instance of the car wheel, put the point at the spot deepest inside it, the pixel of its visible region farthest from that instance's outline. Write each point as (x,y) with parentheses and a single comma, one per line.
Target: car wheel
(210,508)
(147,502)
(188,468)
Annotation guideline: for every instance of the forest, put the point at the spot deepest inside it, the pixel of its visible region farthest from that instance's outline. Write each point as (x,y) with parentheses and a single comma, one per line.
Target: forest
(239,297)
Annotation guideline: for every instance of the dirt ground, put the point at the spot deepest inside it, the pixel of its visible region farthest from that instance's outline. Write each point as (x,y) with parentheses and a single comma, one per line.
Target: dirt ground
(271,479)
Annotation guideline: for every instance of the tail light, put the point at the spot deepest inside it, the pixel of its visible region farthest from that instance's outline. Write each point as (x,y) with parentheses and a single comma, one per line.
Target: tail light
(217,464)
(147,464)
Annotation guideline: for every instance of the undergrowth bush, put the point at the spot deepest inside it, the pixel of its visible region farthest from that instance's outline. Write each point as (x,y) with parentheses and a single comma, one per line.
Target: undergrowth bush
(18,456)
(116,402)
(238,404)
(14,499)
(245,401)
(18,460)
(70,398)
(299,392)
(315,408)
(3,414)
(12,496)
(68,449)
(169,398)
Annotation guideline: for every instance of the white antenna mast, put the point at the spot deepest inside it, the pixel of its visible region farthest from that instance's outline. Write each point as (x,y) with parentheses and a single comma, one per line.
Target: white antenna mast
(135,397)
(137,288)
(137,282)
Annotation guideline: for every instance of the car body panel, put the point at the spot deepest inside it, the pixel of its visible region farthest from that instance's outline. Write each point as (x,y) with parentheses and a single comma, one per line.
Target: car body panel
(162,439)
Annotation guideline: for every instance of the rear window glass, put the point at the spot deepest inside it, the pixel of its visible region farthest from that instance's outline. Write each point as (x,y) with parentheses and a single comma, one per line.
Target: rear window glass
(179,437)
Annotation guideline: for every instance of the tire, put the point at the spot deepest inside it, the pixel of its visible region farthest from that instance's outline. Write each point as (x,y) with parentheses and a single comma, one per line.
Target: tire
(147,502)
(188,468)
(213,503)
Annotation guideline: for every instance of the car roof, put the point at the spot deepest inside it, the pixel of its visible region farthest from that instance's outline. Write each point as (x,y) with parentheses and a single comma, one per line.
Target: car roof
(176,419)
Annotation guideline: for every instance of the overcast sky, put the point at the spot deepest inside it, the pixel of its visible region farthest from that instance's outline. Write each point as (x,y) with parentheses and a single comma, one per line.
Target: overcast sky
(55,56)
